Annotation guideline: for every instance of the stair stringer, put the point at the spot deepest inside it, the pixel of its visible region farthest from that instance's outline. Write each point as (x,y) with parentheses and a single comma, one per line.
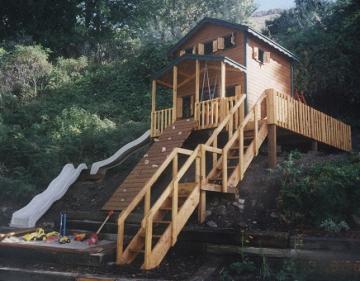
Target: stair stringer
(166,241)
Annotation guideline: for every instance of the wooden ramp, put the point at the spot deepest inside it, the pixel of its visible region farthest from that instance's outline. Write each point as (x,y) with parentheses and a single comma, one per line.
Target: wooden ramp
(172,137)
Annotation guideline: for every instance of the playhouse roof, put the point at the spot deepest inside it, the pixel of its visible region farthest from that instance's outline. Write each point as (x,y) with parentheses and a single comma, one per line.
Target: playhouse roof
(235,26)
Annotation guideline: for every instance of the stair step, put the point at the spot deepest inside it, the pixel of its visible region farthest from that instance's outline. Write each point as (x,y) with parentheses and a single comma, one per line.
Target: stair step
(233,157)
(237,148)
(180,195)
(162,222)
(137,251)
(154,235)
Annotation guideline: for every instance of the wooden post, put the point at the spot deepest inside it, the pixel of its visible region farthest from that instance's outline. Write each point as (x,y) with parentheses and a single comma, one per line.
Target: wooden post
(314,145)
(175,86)
(147,202)
(202,207)
(224,170)
(153,108)
(148,242)
(197,91)
(241,153)
(272,156)
(174,204)
(120,242)
(223,103)
(256,128)
(153,96)
(271,106)
(202,203)
(197,81)
(223,80)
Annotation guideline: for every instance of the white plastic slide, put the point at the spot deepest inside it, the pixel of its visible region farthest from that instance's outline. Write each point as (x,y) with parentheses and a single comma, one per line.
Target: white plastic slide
(121,153)
(32,212)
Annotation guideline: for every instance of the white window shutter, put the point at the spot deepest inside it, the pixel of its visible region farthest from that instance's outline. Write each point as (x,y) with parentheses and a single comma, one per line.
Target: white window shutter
(201,49)
(256,53)
(215,46)
(267,57)
(182,52)
(221,43)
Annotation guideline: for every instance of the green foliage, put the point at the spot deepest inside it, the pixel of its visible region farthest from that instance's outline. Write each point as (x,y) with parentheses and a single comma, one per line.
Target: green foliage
(245,266)
(24,71)
(325,36)
(332,226)
(291,270)
(86,113)
(322,191)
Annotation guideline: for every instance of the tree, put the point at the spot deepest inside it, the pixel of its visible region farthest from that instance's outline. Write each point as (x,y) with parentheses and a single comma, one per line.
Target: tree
(325,36)
(24,71)
(168,20)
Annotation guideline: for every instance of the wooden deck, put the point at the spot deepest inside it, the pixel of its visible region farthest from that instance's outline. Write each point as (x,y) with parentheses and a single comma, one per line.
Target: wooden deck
(216,167)
(172,137)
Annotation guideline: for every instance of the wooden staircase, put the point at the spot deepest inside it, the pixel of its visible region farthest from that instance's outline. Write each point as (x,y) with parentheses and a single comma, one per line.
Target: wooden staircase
(212,166)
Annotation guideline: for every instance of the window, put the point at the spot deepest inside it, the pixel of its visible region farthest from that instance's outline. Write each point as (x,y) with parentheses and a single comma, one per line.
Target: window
(189,50)
(229,41)
(208,48)
(261,55)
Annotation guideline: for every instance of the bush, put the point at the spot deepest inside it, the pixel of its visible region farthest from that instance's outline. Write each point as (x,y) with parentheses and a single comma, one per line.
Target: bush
(24,71)
(323,191)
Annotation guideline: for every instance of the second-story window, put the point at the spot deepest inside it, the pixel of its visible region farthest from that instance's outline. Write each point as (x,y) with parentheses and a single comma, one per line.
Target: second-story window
(208,48)
(229,41)
(261,55)
(189,50)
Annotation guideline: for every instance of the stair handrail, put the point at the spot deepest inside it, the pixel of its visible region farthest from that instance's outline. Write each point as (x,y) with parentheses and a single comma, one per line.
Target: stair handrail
(144,193)
(173,188)
(225,121)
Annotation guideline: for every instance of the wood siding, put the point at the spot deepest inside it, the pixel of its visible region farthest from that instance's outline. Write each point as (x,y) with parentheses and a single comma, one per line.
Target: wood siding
(211,32)
(276,74)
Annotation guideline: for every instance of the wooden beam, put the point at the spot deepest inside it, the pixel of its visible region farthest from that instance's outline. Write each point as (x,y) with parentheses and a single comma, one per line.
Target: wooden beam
(175,88)
(223,80)
(153,96)
(314,145)
(202,207)
(184,74)
(197,81)
(164,83)
(272,156)
(187,80)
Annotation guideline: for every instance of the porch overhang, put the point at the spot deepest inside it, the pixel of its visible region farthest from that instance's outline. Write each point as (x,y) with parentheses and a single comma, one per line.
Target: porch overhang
(201,58)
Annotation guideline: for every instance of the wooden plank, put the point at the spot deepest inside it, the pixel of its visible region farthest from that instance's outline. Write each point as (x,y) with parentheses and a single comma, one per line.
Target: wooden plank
(175,89)
(197,81)
(223,80)
(272,153)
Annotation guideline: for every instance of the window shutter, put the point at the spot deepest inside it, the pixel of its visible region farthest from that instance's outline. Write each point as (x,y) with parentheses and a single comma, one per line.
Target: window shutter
(215,46)
(201,49)
(194,50)
(182,52)
(221,43)
(233,38)
(266,57)
(256,53)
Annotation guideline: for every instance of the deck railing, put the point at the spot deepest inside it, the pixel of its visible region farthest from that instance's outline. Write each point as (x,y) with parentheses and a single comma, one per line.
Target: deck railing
(210,113)
(295,116)
(160,120)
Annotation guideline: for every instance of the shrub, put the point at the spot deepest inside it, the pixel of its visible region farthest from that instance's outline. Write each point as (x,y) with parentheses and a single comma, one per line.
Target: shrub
(323,191)
(333,226)
(24,71)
